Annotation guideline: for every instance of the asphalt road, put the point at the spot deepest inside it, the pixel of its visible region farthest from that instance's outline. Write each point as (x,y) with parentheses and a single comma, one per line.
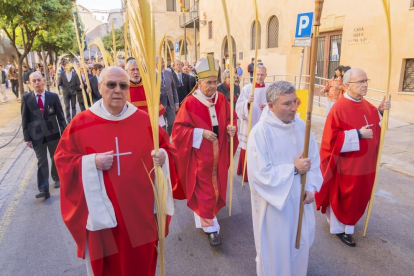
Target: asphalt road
(34,240)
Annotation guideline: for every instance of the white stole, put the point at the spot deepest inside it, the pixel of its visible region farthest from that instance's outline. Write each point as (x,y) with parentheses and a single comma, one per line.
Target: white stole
(211,106)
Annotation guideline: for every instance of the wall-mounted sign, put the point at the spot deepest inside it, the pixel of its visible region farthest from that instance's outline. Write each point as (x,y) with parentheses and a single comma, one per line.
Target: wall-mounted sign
(358,35)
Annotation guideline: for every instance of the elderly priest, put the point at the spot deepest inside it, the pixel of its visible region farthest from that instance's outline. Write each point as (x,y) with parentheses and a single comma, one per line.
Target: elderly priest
(201,134)
(107,199)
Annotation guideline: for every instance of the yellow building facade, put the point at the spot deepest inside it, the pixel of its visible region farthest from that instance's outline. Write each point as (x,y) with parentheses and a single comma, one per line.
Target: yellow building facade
(354,31)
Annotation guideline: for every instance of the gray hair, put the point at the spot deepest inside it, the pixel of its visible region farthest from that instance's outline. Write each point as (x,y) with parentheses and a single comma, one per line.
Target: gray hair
(261,67)
(348,74)
(129,63)
(225,74)
(35,73)
(120,61)
(278,88)
(106,70)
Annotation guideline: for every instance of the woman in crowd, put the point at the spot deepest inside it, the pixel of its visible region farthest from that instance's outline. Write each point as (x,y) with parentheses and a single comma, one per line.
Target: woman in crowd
(334,88)
(13,78)
(224,87)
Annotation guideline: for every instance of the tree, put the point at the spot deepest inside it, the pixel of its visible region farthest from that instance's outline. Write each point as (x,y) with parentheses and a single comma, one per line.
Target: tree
(31,17)
(119,37)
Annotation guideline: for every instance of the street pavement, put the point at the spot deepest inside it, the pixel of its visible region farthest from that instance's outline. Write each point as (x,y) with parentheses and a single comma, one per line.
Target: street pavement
(34,240)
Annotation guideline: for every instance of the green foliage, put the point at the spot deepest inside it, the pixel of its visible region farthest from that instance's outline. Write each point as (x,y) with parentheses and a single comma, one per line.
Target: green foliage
(34,16)
(119,37)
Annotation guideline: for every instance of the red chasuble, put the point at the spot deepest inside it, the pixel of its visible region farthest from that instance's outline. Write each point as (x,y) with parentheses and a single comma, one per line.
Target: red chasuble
(130,247)
(137,97)
(203,172)
(348,177)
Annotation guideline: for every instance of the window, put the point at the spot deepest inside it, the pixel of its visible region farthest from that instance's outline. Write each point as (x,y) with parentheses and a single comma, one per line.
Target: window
(171,5)
(210,29)
(273,32)
(408,82)
(115,20)
(253,38)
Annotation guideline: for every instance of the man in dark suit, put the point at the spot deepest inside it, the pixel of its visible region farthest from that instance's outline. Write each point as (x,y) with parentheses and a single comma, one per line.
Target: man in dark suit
(181,81)
(168,97)
(69,81)
(193,80)
(96,96)
(43,123)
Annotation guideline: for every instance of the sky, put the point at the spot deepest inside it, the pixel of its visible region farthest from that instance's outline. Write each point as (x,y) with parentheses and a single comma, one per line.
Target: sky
(100,4)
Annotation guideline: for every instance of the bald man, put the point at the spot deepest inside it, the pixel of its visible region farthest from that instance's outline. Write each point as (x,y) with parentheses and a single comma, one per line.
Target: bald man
(43,122)
(106,206)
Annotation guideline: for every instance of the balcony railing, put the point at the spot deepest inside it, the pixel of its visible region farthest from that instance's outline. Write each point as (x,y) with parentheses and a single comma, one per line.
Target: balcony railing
(190,16)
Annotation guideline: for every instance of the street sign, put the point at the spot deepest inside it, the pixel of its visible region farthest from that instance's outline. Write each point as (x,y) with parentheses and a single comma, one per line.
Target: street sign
(302,42)
(304,25)
(177,47)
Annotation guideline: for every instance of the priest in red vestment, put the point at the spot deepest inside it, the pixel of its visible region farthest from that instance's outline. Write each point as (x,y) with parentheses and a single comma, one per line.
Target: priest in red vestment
(107,199)
(349,152)
(201,135)
(136,95)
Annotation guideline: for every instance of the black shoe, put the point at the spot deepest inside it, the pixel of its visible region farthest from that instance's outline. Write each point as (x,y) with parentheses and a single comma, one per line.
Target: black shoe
(57,184)
(347,239)
(45,195)
(214,239)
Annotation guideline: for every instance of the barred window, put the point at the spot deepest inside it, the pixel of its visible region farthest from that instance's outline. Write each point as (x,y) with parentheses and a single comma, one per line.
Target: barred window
(210,30)
(253,37)
(408,83)
(171,5)
(273,32)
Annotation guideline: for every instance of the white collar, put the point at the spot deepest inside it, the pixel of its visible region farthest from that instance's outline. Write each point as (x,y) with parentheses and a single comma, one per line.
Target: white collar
(102,106)
(205,97)
(42,94)
(347,96)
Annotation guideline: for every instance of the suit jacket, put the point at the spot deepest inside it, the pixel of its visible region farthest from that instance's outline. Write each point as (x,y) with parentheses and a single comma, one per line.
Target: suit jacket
(69,87)
(184,88)
(96,96)
(168,90)
(41,128)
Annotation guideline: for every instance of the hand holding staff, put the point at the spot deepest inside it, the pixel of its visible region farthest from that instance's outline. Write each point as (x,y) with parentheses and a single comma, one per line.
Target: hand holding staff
(316,24)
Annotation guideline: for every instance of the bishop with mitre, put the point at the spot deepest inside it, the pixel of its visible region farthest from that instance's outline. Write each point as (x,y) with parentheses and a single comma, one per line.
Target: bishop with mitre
(201,135)
(107,198)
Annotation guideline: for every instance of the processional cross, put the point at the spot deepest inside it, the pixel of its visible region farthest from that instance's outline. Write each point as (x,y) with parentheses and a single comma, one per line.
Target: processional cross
(118,154)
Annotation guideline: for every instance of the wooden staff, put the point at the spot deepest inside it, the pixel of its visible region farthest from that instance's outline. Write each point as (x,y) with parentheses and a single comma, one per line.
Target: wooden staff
(81,61)
(384,124)
(231,68)
(256,47)
(316,24)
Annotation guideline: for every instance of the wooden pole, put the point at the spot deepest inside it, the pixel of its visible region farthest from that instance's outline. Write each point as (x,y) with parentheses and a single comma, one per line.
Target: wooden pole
(314,52)
(231,68)
(384,123)
(256,47)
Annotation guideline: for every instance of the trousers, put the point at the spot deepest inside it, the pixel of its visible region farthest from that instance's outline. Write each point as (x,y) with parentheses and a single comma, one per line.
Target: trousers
(43,164)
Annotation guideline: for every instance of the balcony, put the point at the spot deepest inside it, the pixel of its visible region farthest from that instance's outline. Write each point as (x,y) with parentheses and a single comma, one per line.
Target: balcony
(190,18)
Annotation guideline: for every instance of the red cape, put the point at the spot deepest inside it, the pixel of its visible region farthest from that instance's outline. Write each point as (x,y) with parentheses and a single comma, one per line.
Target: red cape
(196,166)
(348,177)
(137,97)
(130,246)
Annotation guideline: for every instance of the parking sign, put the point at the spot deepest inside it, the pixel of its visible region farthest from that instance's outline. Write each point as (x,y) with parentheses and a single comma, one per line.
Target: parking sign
(177,47)
(304,25)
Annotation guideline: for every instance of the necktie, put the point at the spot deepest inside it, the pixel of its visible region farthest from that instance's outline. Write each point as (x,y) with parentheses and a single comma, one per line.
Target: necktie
(40,103)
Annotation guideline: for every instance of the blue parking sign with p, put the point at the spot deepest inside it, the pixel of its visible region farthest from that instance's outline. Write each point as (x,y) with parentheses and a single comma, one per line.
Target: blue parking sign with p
(304,25)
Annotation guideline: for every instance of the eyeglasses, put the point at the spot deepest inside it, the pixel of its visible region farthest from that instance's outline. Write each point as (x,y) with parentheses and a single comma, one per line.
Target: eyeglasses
(360,81)
(113,84)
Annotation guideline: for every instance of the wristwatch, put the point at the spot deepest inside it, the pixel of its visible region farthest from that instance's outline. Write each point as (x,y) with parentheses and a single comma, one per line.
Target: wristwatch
(296,171)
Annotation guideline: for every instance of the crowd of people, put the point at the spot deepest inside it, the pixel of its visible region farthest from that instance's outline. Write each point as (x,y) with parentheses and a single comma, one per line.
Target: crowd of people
(100,158)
